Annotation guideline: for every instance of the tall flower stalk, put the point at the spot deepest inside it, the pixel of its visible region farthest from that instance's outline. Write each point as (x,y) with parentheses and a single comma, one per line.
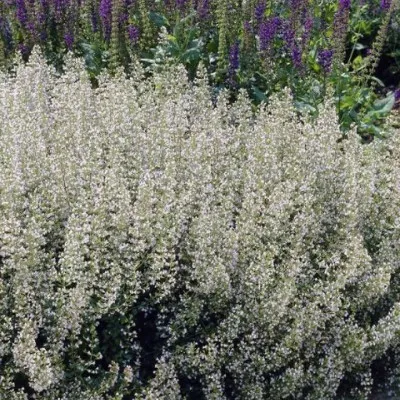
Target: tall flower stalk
(233,64)
(340,28)
(377,47)
(222,23)
(146,36)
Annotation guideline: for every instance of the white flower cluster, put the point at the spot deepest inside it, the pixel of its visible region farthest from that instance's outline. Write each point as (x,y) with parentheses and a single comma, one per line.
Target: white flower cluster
(156,245)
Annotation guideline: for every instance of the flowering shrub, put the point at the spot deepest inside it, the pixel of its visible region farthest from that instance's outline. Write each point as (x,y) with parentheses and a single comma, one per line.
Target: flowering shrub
(155,244)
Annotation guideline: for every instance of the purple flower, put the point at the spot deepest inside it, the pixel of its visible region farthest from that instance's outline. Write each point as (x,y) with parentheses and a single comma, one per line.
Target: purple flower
(233,63)
(30,26)
(94,21)
(289,35)
(181,4)
(133,33)
(247,27)
(123,17)
(234,56)
(295,5)
(307,30)
(267,32)
(203,9)
(259,11)
(105,10)
(385,5)
(58,7)
(325,59)
(397,95)
(42,18)
(69,40)
(296,57)
(24,49)
(298,9)
(344,4)
(341,21)
(43,36)
(21,12)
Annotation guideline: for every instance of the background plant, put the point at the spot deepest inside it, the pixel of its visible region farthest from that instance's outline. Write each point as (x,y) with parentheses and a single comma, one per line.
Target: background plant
(278,44)
(166,245)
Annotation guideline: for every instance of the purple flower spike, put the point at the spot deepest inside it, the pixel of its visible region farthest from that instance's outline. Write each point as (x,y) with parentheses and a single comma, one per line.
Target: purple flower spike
(181,4)
(233,63)
(43,36)
(308,25)
(247,27)
(105,10)
(344,4)
(203,9)
(234,56)
(296,57)
(94,21)
(296,5)
(341,21)
(397,95)
(58,6)
(123,17)
(289,36)
(69,40)
(325,60)
(133,33)
(41,18)
(267,32)
(259,11)
(385,5)
(30,26)
(24,49)
(21,12)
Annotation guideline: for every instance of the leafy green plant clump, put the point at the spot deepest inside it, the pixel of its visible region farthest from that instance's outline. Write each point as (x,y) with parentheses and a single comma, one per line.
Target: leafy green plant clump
(156,243)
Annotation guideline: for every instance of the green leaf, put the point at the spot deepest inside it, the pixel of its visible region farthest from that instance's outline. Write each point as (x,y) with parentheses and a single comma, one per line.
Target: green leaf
(196,44)
(172,38)
(384,105)
(191,55)
(360,46)
(304,107)
(158,19)
(258,94)
(148,60)
(378,81)
(357,62)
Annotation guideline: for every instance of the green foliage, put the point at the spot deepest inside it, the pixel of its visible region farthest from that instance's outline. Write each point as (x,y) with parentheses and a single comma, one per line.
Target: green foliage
(184,45)
(194,35)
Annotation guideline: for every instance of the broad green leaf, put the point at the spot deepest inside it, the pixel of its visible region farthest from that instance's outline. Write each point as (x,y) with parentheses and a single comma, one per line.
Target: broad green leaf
(384,105)
(158,19)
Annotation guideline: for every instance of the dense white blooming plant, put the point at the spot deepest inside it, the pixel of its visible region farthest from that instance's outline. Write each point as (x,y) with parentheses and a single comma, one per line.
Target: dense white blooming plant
(157,245)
